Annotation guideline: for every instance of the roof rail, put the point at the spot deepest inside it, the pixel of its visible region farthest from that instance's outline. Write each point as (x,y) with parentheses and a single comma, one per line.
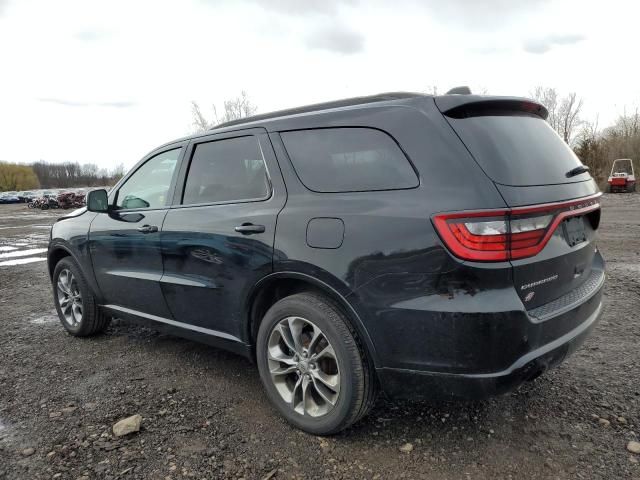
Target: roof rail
(382,97)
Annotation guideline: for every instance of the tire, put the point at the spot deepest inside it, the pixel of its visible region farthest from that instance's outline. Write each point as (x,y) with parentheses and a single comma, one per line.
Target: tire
(91,319)
(355,374)
(44,207)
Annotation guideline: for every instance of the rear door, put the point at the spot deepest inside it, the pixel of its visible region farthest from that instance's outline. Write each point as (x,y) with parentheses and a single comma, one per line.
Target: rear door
(218,237)
(540,177)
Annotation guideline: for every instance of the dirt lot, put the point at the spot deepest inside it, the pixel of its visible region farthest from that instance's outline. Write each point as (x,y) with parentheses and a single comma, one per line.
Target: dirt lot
(204,414)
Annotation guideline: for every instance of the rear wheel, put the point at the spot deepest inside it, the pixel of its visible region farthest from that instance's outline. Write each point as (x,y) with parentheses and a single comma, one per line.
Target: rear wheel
(75,302)
(311,364)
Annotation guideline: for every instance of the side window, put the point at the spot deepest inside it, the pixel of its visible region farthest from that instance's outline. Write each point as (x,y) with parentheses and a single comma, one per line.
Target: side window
(348,160)
(149,186)
(229,170)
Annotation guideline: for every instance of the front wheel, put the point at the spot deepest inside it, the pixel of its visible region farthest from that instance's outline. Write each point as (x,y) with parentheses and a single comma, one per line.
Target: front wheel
(312,366)
(76,304)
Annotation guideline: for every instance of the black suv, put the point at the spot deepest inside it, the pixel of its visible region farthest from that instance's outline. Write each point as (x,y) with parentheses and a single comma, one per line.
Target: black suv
(425,246)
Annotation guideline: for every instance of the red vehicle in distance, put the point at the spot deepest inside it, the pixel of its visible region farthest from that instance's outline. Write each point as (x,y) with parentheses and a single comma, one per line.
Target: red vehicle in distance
(622,178)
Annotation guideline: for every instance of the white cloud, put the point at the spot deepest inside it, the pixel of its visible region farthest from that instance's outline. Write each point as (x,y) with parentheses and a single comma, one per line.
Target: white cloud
(544,44)
(336,38)
(92,35)
(74,103)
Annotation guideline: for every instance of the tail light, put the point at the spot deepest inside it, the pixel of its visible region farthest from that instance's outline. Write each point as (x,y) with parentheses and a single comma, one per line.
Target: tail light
(505,234)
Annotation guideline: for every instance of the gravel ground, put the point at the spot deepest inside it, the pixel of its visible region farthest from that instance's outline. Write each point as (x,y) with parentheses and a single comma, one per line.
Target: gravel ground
(204,414)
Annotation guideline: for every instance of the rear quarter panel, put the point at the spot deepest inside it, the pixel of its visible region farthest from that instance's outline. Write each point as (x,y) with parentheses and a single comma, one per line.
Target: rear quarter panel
(391,260)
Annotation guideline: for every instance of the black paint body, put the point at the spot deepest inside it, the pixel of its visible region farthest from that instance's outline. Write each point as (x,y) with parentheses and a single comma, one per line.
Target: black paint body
(431,323)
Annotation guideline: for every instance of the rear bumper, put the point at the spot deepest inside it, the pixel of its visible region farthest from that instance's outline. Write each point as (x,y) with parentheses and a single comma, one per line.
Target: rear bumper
(425,384)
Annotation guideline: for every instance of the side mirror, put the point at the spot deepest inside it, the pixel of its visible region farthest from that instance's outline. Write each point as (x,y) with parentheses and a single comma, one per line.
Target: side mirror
(97,201)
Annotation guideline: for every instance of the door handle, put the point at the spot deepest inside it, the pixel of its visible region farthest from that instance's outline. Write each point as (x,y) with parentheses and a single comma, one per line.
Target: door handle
(148,229)
(249,229)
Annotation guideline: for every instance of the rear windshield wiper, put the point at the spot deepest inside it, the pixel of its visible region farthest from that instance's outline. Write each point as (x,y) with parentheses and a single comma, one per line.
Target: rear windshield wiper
(577,171)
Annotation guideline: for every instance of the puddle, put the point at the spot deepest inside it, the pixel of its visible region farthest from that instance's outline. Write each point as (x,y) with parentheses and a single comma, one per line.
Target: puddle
(6,434)
(23,253)
(47,319)
(35,236)
(7,249)
(21,261)
(36,216)
(6,227)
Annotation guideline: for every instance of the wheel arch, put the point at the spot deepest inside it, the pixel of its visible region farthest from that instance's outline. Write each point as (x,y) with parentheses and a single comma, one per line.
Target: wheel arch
(279,285)
(56,253)
(59,250)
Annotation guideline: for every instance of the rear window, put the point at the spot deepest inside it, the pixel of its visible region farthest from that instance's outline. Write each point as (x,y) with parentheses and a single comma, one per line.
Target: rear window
(518,149)
(348,160)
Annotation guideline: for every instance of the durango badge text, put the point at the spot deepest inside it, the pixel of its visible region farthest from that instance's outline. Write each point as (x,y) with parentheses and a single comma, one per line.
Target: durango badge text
(539,282)
(420,246)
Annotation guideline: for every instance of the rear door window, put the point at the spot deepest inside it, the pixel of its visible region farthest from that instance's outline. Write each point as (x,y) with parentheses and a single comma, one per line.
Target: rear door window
(518,149)
(348,160)
(229,170)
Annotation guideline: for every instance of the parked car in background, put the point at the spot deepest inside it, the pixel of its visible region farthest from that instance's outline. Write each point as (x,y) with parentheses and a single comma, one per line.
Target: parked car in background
(426,246)
(9,197)
(27,196)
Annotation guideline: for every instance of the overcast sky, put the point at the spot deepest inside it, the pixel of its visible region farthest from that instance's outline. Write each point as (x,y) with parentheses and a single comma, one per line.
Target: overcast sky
(107,81)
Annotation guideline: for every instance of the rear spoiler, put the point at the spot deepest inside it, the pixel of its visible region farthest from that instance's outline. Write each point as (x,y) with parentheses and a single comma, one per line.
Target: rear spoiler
(462,106)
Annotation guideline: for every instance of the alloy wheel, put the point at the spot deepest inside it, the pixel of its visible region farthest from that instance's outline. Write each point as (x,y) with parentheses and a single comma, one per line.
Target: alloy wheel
(69,298)
(303,367)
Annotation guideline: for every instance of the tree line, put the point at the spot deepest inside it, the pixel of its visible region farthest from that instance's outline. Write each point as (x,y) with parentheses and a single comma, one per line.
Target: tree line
(73,174)
(17,177)
(43,174)
(598,148)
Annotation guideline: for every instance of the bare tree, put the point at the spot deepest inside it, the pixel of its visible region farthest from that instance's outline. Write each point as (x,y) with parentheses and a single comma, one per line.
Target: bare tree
(239,107)
(234,109)
(628,125)
(569,111)
(549,98)
(598,148)
(564,112)
(200,122)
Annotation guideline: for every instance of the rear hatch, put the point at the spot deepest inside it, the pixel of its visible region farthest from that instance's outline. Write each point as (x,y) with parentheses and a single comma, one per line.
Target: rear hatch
(554,207)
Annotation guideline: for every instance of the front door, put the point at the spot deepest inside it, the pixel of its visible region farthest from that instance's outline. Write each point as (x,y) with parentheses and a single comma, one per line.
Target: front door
(125,243)
(218,239)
